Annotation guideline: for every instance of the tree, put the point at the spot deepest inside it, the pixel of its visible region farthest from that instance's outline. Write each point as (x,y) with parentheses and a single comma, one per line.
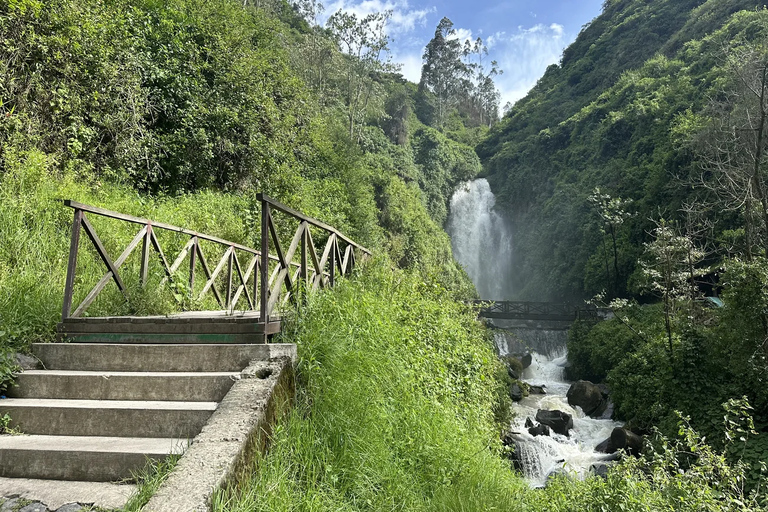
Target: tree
(612,213)
(732,146)
(669,269)
(315,54)
(444,73)
(365,43)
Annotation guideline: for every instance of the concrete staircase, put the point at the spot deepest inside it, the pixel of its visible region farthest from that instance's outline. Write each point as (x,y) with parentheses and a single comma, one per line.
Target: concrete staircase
(98,411)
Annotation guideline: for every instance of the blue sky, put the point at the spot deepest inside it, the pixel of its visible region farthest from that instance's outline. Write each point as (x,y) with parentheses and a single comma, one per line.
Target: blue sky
(523,36)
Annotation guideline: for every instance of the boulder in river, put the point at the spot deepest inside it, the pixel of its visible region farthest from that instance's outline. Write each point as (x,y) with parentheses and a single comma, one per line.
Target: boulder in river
(537,390)
(559,421)
(606,447)
(600,470)
(540,430)
(588,396)
(526,360)
(516,392)
(513,454)
(624,439)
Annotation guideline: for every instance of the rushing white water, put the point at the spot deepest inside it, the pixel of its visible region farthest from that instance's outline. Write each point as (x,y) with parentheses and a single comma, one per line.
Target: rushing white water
(480,239)
(541,455)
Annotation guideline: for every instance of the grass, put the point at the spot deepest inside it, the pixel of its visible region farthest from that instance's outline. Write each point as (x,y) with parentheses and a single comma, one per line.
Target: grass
(395,409)
(35,234)
(149,481)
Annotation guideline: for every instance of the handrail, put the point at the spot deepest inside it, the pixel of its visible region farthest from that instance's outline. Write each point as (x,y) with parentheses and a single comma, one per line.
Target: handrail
(270,286)
(138,220)
(532,310)
(290,211)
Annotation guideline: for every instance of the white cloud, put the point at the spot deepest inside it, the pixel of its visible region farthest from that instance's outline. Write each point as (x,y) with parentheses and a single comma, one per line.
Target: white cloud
(525,55)
(493,39)
(462,34)
(403,18)
(411,65)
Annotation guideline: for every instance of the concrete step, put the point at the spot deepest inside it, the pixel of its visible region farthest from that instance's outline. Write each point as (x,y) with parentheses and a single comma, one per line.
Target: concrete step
(95,459)
(155,357)
(117,418)
(105,385)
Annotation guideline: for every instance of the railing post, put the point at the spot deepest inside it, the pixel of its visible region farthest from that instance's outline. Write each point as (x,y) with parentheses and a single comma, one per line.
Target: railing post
(74,244)
(192,265)
(230,265)
(304,270)
(264,292)
(332,277)
(144,269)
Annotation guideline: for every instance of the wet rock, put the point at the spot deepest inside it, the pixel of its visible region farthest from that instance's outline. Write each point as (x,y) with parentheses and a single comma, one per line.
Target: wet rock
(567,371)
(514,453)
(624,439)
(540,430)
(606,447)
(559,421)
(513,374)
(516,392)
(537,390)
(588,396)
(599,470)
(528,422)
(526,360)
(554,474)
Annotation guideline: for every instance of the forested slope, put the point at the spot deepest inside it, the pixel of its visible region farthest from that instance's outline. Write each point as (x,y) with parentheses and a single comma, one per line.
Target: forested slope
(607,117)
(181,112)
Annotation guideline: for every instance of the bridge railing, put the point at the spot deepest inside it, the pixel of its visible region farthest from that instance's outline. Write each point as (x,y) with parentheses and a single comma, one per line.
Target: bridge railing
(243,278)
(515,310)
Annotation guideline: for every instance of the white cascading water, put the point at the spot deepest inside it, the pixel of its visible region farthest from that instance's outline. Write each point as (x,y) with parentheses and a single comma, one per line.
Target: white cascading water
(541,455)
(480,239)
(482,244)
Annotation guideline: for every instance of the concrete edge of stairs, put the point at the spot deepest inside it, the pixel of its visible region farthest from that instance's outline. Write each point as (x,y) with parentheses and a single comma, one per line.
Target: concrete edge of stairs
(239,428)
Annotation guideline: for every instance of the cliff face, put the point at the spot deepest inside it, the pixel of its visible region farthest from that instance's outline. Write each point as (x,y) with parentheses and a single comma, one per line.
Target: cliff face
(605,117)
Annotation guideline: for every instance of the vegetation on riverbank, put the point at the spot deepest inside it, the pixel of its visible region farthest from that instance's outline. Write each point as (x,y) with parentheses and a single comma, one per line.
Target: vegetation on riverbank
(398,385)
(181,111)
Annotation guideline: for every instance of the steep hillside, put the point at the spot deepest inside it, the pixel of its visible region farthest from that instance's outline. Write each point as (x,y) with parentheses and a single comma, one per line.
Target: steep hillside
(604,118)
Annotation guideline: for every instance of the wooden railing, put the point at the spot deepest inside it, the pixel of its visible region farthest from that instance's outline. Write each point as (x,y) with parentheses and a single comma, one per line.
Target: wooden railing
(269,277)
(513,310)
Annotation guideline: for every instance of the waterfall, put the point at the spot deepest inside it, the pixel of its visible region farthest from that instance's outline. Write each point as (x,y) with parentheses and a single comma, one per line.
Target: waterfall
(480,239)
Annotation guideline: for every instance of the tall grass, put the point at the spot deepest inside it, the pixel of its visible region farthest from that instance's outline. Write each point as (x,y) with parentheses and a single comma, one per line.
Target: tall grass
(398,386)
(35,236)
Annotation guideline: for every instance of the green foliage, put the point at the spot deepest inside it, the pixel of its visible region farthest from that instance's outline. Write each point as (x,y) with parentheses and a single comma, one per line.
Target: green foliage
(442,165)
(397,388)
(611,115)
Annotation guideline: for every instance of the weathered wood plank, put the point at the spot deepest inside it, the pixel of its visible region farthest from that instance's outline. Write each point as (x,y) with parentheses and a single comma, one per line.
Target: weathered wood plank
(144,267)
(264,274)
(297,214)
(168,227)
(74,245)
(161,254)
(212,276)
(102,252)
(244,279)
(207,271)
(108,276)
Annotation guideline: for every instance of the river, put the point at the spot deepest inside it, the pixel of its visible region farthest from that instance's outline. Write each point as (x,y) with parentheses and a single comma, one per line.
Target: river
(482,243)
